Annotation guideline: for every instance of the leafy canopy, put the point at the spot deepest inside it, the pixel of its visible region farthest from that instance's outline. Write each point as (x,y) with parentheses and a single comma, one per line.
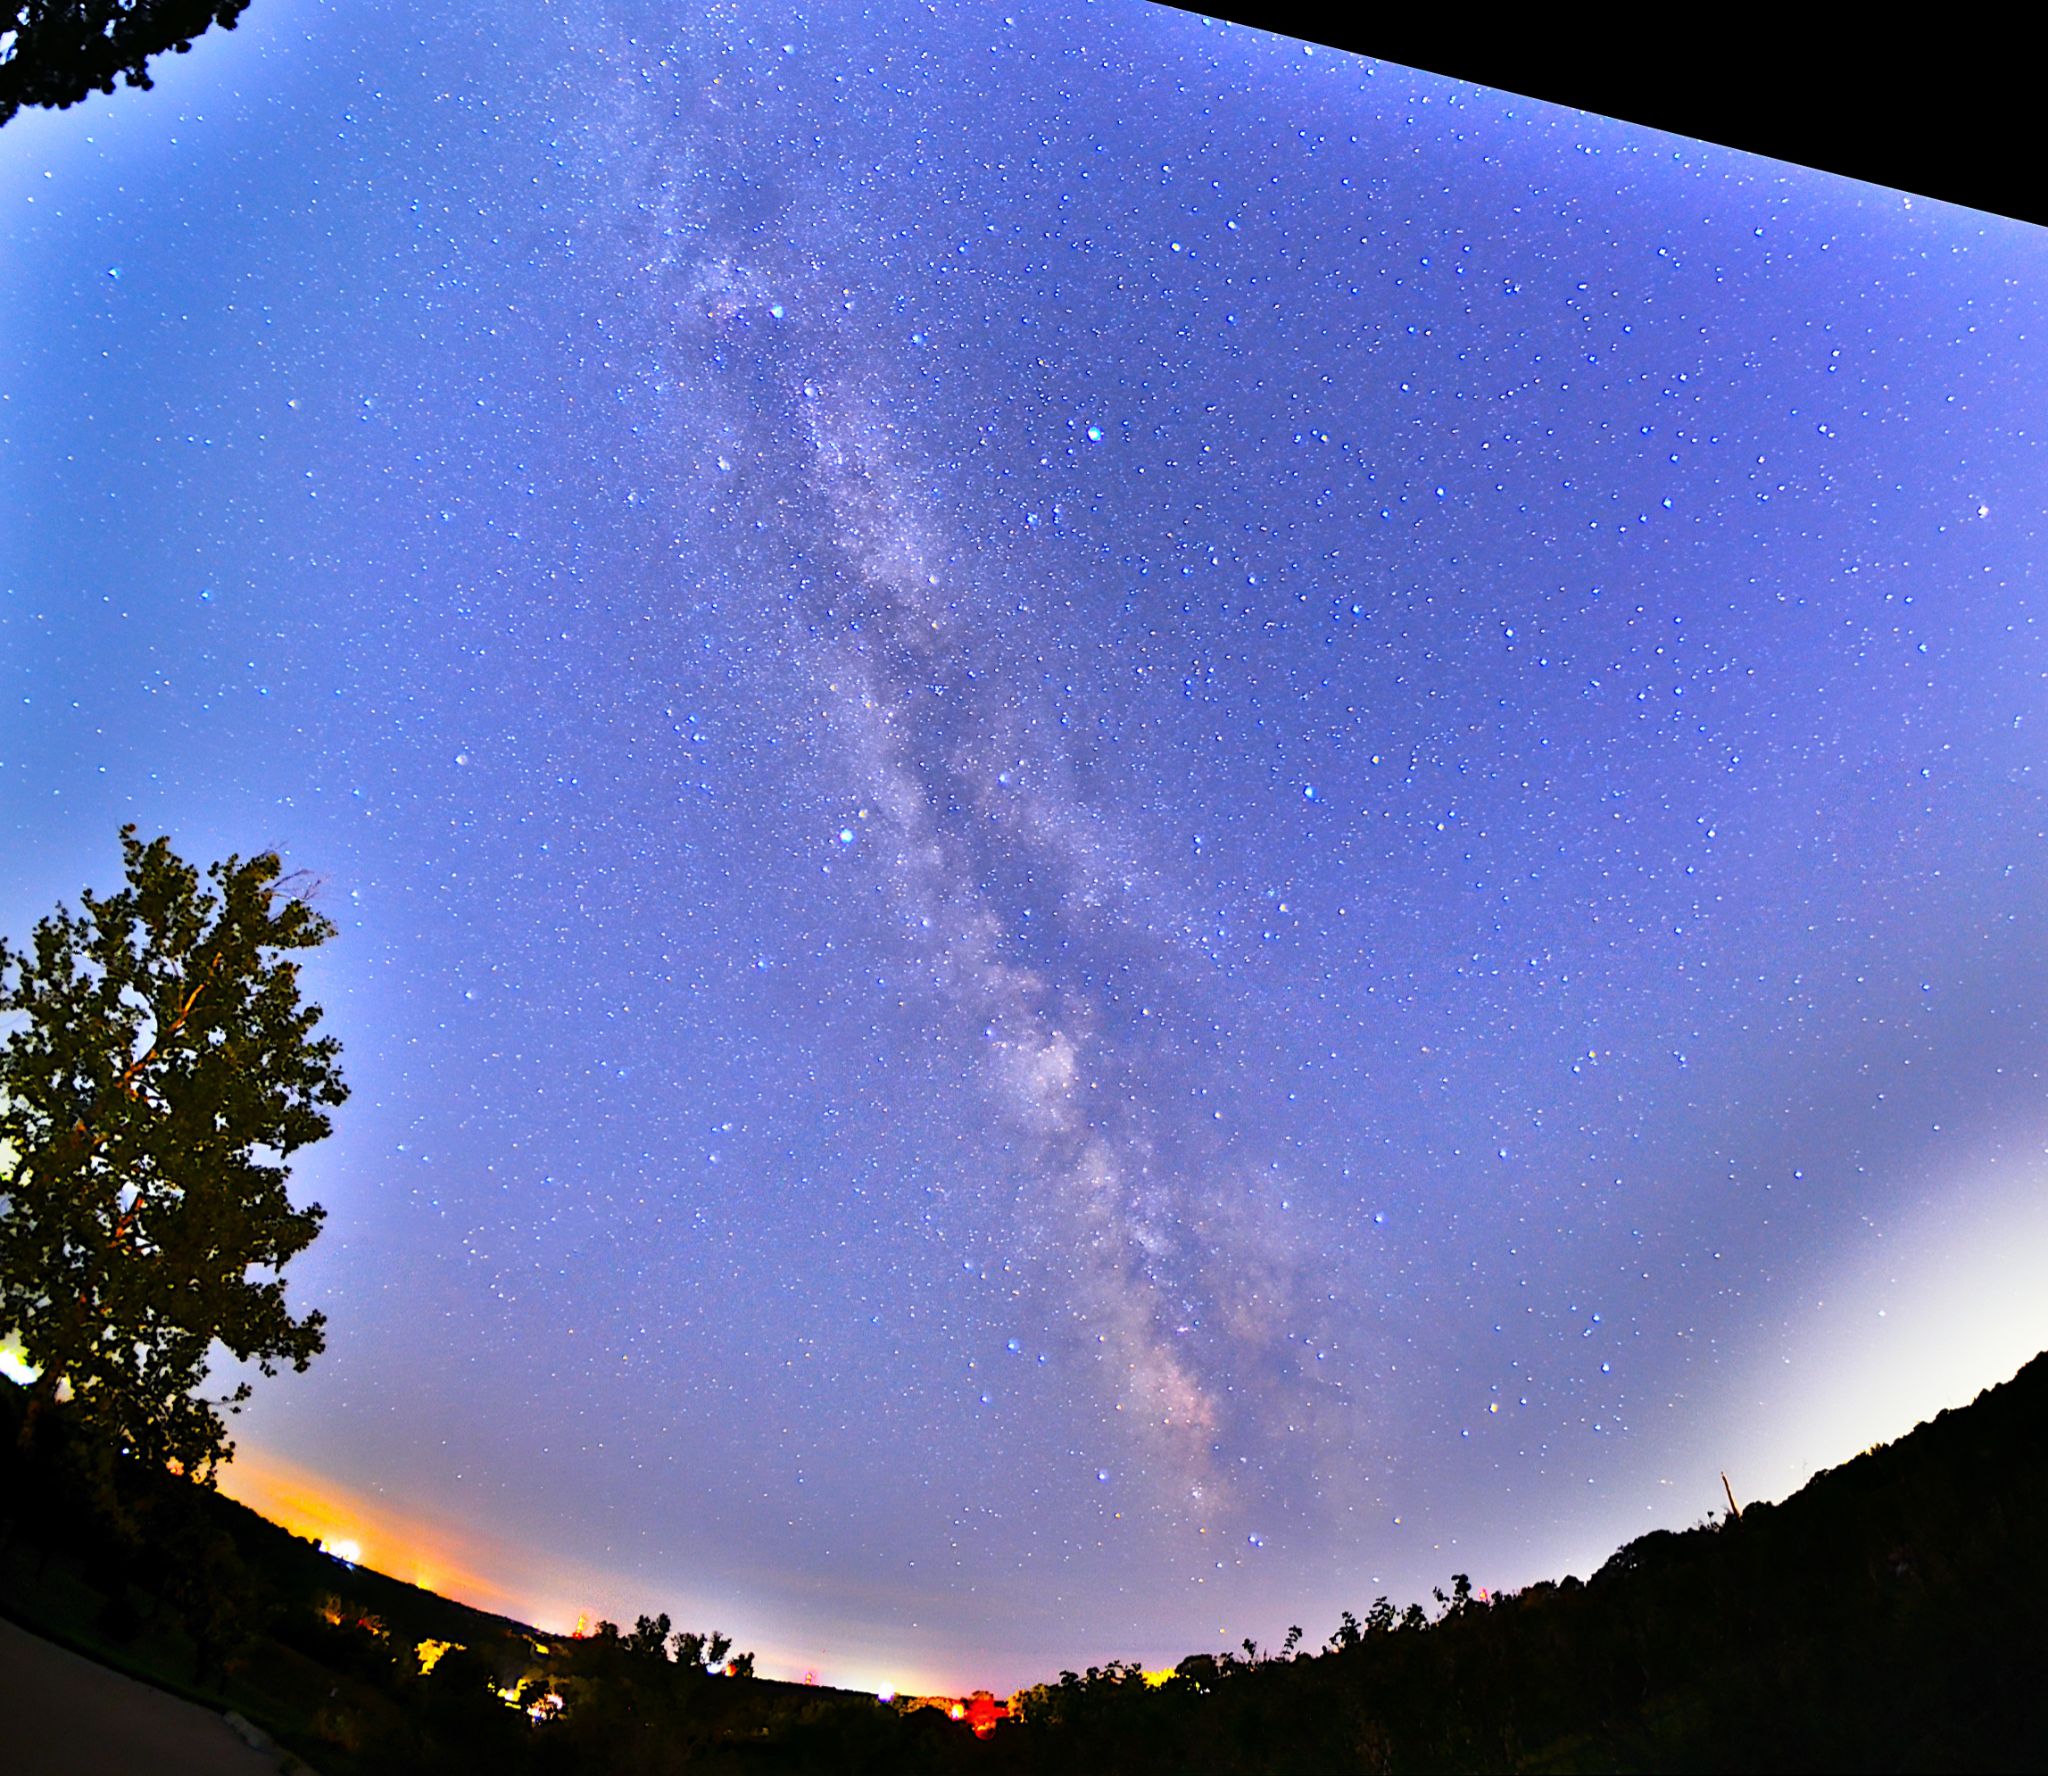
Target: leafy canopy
(54,52)
(159,1071)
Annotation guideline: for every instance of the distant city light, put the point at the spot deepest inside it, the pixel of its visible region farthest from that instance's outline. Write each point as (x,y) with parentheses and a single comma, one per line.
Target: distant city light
(431,1652)
(15,1365)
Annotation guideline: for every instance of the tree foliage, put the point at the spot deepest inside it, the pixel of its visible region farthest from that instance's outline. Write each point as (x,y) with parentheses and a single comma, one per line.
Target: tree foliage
(54,52)
(160,1070)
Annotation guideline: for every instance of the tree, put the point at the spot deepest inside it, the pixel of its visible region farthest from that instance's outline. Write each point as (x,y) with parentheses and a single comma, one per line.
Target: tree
(698,1653)
(1347,1635)
(162,1071)
(649,1639)
(54,52)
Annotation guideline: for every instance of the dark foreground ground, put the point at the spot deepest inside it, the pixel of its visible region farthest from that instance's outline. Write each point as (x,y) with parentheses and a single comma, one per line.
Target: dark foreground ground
(1889,1616)
(69,1716)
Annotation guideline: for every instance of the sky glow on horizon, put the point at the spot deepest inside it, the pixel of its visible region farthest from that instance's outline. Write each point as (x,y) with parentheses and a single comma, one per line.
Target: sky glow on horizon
(1133,832)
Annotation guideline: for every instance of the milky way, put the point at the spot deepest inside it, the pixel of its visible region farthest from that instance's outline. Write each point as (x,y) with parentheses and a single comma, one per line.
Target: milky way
(1155,1245)
(1134,831)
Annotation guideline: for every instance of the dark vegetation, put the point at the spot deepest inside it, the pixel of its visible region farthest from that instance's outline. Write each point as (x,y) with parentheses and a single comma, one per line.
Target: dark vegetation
(158,1070)
(169,1580)
(1887,1617)
(54,52)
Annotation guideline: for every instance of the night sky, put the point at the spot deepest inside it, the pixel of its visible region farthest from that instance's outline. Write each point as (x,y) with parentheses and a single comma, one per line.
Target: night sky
(1134,830)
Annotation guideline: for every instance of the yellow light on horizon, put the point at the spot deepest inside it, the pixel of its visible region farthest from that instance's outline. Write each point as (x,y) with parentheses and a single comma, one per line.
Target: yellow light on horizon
(431,1653)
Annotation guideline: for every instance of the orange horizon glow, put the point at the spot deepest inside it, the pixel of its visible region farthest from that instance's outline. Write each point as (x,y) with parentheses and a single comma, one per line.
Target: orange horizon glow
(388,1536)
(401,1541)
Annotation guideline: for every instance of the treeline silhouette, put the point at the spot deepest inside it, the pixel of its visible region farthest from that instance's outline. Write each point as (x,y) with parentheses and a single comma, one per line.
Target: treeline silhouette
(1886,1617)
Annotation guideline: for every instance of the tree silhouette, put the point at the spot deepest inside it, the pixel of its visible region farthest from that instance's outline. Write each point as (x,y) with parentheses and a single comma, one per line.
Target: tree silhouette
(54,52)
(160,1072)
(649,1639)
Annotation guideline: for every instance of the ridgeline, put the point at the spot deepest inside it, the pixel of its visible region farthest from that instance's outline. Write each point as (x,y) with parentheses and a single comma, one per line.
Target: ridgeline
(1886,1617)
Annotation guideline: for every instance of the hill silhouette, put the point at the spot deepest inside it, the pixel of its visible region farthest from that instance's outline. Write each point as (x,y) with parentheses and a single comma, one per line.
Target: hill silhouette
(1884,1617)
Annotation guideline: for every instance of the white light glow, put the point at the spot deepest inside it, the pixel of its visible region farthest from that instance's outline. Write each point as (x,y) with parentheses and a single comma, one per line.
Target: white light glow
(1947,1304)
(16,1367)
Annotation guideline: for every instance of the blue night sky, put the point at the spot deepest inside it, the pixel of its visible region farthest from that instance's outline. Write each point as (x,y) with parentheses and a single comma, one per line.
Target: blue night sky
(1134,831)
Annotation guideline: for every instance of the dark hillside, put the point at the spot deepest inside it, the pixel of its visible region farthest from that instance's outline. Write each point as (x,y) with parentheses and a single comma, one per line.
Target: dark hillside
(1883,1618)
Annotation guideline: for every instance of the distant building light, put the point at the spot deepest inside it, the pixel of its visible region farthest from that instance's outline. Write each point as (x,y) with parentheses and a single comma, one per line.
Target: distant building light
(16,1366)
(431,1653)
